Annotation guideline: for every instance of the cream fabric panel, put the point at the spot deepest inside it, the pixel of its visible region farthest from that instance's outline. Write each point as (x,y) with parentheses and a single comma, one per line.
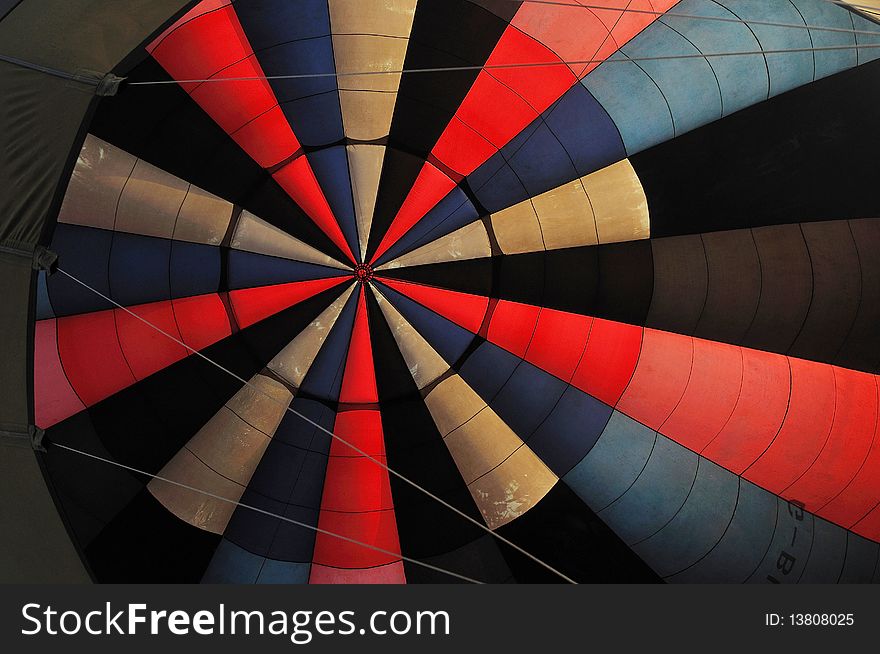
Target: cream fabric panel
(254,234)
(469,242)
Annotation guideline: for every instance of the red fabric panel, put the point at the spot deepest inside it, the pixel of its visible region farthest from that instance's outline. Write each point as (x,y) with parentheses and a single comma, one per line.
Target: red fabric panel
(202,320)
(759,412)
(852,432)
(804,431)
(359,380)
(266,138)
(393,573)
(430,187)
(54,399)
(512,326)
(660,378)
(146,349)
(298,179)
(251,305)
(376,528)
(558,342)
(710,396)
(464,309)
(609,360)
(860,496)
(91,356)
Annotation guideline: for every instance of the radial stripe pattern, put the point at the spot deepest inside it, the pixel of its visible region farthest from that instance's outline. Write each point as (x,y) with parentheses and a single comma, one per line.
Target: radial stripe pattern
(379,289)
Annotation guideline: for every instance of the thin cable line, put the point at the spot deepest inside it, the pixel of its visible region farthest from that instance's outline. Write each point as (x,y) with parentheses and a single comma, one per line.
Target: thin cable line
(268,513)
(541,64)
(363,453)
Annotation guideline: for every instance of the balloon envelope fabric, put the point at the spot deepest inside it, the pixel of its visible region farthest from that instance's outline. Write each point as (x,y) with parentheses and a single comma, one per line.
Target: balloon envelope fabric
(380,290)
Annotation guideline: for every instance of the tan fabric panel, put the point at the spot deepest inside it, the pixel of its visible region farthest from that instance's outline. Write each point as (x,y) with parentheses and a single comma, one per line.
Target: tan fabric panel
(517,229)
(150,202)
(511,489)
(387,17)
(294,361)
(365,167)
(100,174)
(469,242)
(566,217)
(222,457)
(481,444)
(608,206)
(369,36)
(870,8)
(256,235)
(203,218)
(200,510)
(424,364)
(619,203)
(453,403)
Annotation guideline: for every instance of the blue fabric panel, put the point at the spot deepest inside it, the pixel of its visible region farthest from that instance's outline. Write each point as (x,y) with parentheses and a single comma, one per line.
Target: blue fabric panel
(232,565)
(586,131)
(448,339)
(308,57)
(698,526)
(247,270)
(295,431)
(282,572)
(139,269)
(827,554)
(195,269)
(253,530)
(527,399)
(451,213)
(614,462)
(866,54)
(324,378)
(657,495)
(44,306)
(331,169)
(634,101)
(790,547)
(787,71)
(85,253)
(742,546)
(825,14)
(292,542)
(743,80)
(689,86)
(273,22)
(861,560)
(316,120)
(574,137)
(570,431)
(487,369)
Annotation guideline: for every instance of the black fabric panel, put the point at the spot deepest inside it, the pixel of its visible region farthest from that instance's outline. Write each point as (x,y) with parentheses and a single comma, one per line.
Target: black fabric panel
(861,348)
(445,34)
(164,126)
(786,288)
(416,450)
(147,544)
(734,288)
(836,291)
(482,556)
(563,532)
(799,157)
(681,280)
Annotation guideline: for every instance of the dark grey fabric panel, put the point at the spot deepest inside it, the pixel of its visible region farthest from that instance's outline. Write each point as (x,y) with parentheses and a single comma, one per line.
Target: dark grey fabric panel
(16,273)
(680,282)
(860,349)
(80,35)
(40,117)
(786,288)
(837,281)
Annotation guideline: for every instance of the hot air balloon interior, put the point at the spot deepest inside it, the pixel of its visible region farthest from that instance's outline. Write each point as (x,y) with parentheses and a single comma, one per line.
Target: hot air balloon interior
(423,291)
